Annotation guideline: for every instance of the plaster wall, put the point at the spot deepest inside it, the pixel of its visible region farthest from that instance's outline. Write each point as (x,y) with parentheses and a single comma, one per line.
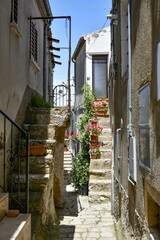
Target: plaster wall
(80,75)
(16,71)
(132,205)
(97,43)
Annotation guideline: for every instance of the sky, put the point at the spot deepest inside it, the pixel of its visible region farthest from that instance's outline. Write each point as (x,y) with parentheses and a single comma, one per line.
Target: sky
(86,16)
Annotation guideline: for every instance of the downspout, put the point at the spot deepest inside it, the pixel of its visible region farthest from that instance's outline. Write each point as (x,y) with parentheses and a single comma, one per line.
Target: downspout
(118,158)
(129,71)
(75,109)
(44,60)
(112,124)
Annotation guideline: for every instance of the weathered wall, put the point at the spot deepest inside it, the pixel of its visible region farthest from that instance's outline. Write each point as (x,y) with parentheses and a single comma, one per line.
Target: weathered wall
(133,205)
(16,70)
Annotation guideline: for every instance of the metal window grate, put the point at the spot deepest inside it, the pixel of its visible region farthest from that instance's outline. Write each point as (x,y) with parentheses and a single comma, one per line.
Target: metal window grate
(14,13)
(34,42)
(144,136)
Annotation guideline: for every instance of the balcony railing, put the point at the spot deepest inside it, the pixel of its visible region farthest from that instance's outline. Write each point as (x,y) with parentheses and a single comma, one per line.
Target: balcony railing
(13,179)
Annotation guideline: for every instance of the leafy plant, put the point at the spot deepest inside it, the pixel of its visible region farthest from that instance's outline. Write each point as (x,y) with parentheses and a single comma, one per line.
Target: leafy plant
(38,102)
(94,150)
(80,171)
(93,129)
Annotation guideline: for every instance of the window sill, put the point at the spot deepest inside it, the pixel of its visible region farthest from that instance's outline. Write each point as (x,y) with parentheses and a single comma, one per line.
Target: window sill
(14,28)
(35,65)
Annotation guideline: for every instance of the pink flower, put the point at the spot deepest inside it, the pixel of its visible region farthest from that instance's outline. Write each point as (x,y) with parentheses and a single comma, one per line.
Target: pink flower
(98,145)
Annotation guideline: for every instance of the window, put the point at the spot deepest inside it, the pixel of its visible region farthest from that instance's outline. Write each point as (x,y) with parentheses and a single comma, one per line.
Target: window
(144,136)
(34,43)
(14,11)
(100,75)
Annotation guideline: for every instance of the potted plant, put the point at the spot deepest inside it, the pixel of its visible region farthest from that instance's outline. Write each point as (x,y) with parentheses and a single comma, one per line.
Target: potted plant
(66,145)
(93,121)
(94,131)
(92,152)
(95,152)
(34,150)
(99,109)
(75,138)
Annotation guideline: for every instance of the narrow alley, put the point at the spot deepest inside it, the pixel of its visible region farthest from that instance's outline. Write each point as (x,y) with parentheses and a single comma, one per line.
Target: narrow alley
(89,217)
(81,220)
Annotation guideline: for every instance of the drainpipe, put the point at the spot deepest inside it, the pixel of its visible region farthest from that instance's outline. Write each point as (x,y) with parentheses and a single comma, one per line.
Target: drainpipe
(129,70)
(112,125)
(44,60)
(118,158)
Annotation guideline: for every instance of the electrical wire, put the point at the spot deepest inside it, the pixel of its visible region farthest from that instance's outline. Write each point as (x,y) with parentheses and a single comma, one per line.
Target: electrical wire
(93,9)
(93,42)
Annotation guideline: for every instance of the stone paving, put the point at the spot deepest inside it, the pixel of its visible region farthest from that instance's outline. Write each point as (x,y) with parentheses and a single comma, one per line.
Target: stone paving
(80,220)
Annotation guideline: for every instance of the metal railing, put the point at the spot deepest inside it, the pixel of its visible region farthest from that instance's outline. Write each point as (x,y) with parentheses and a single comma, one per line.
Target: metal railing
(60,96)
(13,179)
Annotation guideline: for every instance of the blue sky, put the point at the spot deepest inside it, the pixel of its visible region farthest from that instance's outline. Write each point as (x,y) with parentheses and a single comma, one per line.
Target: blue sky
(86,16)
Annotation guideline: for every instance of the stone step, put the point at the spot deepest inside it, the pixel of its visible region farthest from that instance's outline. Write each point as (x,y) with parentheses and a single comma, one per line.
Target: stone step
(67,158)
(68,169)
(99,174)
(37,182)
(99,185)
(100,164)
(106,145)
(106,131)
(106,137)
(67,154)
(16,228)
(42,116)
(40,132)
(99,197)
(4,203)
(37,164)
(104,123)
(106,153)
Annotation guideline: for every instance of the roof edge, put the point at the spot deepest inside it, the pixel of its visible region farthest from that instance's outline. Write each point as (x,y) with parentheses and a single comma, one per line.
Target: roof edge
(78,47)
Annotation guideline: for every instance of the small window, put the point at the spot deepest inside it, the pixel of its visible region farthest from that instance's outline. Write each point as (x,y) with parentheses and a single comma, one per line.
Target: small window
(14,11)
(144,135)
(34,43)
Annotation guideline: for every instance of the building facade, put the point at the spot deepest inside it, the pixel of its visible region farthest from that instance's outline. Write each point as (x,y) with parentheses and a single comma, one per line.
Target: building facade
(21,47)
(91,58)
(134,108)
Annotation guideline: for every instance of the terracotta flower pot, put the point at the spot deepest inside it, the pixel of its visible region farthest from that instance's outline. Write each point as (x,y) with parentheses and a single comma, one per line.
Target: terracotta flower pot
(94,123)
(101,112)
(65,149)
(34,150)
(94,138)
(95,115)
(93,156)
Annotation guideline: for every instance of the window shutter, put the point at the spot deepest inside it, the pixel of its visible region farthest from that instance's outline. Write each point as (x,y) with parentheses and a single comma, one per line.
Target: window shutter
(14,13)
(34,42)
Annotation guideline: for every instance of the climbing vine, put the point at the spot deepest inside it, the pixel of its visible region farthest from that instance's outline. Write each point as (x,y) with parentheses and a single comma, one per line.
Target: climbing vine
(80,170)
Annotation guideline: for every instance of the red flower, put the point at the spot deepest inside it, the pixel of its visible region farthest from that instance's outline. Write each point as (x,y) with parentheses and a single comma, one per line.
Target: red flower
(71,133)
(67,133)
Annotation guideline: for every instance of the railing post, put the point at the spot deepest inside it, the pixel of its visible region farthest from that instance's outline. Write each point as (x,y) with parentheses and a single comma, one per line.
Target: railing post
(4,157)
(27,173)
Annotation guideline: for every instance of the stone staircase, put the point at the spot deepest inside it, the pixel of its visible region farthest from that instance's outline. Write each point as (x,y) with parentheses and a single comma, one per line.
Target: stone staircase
(100,169)
(15,228)
(46,127)
(67,166)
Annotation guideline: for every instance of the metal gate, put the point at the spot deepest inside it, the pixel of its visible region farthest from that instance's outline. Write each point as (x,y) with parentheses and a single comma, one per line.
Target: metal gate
(60,96)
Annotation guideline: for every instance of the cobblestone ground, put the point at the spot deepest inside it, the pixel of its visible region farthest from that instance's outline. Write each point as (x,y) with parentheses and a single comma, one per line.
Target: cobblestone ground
(80,220)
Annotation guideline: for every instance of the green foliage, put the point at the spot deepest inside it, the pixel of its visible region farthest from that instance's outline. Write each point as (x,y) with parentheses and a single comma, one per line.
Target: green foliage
(80,170)
(38,102)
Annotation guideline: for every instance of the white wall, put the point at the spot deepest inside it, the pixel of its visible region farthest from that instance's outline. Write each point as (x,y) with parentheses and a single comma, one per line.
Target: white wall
(97,43)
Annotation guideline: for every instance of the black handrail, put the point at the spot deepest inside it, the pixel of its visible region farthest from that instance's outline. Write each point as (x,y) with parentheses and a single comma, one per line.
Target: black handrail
(11,160)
